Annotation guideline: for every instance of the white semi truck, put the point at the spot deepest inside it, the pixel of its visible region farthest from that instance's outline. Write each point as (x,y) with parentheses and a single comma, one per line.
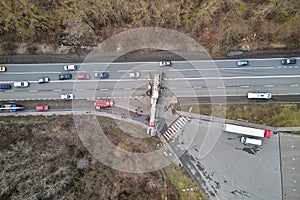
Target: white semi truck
(260,133)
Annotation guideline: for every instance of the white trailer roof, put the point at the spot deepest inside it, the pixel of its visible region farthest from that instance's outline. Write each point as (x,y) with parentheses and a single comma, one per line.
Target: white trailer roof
(244,130)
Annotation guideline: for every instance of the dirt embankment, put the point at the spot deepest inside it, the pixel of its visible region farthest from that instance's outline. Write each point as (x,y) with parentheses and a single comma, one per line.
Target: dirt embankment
(68,26)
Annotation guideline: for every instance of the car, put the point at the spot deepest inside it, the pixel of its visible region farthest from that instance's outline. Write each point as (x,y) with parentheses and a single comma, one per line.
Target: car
(42,108)
(67,96)
(21,84)
(134,75)
(5,86)
(165,63)
(70,67)
(288,61)
(64,76)
(2,69)
(242,63)
(44,80)
(83,76)
(101,75)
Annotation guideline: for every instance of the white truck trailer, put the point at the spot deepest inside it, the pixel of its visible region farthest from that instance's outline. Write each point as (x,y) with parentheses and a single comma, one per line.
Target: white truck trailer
(247,131)
(259,95)
(246,140)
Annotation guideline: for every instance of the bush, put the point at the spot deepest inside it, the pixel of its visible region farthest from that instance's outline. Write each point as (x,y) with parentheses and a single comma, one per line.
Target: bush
(32,50)
(9,48)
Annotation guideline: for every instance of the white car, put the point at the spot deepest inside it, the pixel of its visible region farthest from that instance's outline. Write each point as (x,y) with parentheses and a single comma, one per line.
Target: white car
(134,75)
(67,96)
(2,69)
(21,84)
(44,80)
(70,67)
(242,63)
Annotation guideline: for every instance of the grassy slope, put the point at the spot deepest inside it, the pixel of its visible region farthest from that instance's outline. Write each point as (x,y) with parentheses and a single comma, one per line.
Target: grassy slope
(274,114)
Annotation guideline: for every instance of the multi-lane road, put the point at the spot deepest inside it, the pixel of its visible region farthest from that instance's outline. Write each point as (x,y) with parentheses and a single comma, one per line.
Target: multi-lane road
(182,79)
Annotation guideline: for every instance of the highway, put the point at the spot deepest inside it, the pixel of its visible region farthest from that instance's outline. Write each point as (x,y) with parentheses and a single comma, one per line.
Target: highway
(182,79)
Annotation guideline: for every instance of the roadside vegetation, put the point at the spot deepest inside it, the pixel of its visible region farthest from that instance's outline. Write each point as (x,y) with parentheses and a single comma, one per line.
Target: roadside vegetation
(185,186)
(49,26)
(43,158)
(274,114)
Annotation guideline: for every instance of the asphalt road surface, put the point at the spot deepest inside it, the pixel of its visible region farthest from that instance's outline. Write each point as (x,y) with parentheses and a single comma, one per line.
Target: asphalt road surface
(182,79)
(228,168)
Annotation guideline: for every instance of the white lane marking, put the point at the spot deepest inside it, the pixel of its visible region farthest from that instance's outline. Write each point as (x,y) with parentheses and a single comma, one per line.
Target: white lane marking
(77,81)
(32,73)
(294,85)
(128,63)
(33,90)
(124,70)
(104,89)
(198,87)
(237,77)
(148,70)
(127,88)
(269,85)
(220,87)
(56,90)
(247,68)
(245,86)
(222,68)
(195,69)
(296,67)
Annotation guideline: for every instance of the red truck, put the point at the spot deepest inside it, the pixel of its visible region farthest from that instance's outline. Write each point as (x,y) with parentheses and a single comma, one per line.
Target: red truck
(42,108)
(104,104)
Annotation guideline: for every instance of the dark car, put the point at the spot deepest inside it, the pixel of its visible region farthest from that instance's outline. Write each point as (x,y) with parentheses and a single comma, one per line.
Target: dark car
(64,76)
(5,87)
(44,80)
(242,63)
(165,63)
(288,61)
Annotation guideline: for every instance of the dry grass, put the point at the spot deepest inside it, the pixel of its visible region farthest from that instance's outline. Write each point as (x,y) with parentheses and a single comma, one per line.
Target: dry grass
(274,114)
(185,186)
(43,158)
(217,24)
